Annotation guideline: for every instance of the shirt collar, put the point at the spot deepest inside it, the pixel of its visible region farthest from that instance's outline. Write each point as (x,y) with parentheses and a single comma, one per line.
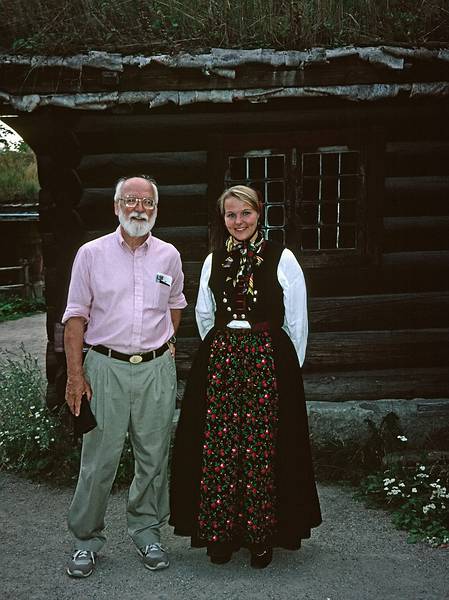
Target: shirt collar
(123,244)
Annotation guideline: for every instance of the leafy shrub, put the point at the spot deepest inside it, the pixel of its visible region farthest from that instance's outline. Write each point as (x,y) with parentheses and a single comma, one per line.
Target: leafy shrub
(418,497)
(14,307)
(34,441)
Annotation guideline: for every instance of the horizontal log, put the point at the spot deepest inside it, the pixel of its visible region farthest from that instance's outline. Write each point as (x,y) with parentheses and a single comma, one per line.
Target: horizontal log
(412,196)
(358,350)
(376,384)
(417,159)
(399,272)
(178,205)
(349,70)
(377,349)
(377,312)
(191,242)
(166,167)
(416,233)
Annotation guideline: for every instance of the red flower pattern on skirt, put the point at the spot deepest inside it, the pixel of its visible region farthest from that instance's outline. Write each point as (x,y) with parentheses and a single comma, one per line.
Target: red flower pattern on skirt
(237,497)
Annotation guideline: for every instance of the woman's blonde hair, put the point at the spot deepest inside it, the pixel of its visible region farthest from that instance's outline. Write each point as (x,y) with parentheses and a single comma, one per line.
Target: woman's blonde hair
(243,193)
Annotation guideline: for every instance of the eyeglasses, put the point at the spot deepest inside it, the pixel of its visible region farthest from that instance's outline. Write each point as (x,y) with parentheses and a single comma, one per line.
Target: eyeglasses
(132,202)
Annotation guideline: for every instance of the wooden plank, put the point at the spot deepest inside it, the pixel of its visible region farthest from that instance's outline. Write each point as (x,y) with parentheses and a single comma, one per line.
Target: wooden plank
(341,386)
(417,158)
(413,196)
(350,70)
(358,350)
(399,272)
(377,349)
(352,313)
(416,233)
(168,168)
(178,205)
(191,242)
(377,312)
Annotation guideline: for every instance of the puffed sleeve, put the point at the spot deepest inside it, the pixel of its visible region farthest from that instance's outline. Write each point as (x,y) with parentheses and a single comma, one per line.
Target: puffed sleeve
(291,278)
(205,304)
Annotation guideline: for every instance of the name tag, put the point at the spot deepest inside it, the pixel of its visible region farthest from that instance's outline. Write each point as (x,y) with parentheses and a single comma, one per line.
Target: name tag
(164,279)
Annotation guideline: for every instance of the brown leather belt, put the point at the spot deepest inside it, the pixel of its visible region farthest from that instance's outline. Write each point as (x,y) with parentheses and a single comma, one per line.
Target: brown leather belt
(135,359)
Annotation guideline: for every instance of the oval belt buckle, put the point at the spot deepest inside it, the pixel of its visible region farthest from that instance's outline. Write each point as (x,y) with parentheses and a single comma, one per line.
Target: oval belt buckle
(135,359)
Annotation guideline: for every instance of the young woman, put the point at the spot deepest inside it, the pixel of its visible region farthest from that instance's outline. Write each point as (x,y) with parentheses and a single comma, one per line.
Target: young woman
(242,473)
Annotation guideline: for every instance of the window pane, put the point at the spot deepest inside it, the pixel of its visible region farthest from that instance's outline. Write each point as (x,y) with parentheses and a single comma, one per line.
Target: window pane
(275,192)
(329,164)
(329,213)
(309,239)
(349,186)
(276,234)
(328,238)
(348,212)
(347,236)
(275,166)
(257,167)
(308,214)
(275,216)
(329,188)
(310,189)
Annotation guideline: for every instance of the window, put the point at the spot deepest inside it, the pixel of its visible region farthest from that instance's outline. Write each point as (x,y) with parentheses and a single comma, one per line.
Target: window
(314,195)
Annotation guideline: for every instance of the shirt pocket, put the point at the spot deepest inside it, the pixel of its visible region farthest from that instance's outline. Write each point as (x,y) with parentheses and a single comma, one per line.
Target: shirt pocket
(162,296)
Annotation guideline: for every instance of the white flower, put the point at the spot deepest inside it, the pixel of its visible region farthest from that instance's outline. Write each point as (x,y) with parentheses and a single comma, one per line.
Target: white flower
(414,491)
(422,468)
(402,438)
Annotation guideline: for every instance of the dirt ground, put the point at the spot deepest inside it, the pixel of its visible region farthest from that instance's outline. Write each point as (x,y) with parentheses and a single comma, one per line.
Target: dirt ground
(356,554)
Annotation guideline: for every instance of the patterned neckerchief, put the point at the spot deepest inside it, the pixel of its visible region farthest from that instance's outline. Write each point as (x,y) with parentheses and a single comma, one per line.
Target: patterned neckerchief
(241,260)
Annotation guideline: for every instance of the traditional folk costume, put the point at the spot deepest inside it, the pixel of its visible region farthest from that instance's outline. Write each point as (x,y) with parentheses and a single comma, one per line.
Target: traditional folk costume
(242,473)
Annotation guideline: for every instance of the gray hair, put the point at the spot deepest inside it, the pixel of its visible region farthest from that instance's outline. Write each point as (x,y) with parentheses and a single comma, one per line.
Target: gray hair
(121,181)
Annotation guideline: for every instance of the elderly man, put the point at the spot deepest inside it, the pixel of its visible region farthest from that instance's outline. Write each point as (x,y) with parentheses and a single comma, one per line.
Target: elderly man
(125,300)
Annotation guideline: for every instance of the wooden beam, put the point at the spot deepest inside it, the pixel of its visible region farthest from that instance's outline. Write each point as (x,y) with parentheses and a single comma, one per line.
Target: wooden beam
(413,196)
(377,312)
(377,384)
(168,168)
(399,272)
(359,350)
(416,233)
(377,349)
(417,158)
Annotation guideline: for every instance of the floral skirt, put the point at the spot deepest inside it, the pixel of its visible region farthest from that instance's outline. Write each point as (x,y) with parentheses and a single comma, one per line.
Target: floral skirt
(237,486)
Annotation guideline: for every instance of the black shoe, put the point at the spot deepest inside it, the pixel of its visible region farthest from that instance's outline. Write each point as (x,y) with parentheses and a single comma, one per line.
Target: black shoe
(260,560)
(220,559)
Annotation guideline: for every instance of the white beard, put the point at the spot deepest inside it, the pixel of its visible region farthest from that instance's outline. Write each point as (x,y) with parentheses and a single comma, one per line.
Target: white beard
(140,225)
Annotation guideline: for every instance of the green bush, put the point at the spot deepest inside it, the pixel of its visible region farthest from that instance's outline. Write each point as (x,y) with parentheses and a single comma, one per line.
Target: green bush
(14,307)
(34,441)
(417,496)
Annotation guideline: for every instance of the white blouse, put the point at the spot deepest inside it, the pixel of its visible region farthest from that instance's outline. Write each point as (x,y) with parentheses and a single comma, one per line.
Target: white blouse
(291,279)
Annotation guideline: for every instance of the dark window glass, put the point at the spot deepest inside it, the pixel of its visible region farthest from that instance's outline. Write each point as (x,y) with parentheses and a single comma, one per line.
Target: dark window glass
(275,167)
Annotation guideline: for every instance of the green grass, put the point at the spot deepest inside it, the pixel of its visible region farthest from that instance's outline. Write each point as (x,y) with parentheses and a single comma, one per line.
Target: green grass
(18,176)
(130,26)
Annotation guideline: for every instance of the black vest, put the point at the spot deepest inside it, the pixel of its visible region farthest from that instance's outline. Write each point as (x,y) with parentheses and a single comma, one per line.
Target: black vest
(267,303)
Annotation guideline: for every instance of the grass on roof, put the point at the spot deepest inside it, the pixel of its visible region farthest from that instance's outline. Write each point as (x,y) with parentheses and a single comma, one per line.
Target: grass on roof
(144,26)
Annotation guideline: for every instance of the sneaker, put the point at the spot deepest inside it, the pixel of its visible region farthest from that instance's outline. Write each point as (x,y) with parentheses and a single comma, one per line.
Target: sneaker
(81,564)
(154,557)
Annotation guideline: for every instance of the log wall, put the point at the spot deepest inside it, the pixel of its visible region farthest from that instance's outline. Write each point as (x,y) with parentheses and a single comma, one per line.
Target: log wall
(378,329)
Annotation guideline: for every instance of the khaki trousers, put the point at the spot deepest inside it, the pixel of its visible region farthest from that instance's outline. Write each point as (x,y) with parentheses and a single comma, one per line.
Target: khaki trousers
(139,400)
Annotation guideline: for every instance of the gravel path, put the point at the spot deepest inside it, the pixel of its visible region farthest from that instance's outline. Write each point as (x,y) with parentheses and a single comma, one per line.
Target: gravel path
(355,555)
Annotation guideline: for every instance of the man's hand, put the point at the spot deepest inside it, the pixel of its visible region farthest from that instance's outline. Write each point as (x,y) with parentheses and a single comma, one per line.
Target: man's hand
(172,349)
(75,388)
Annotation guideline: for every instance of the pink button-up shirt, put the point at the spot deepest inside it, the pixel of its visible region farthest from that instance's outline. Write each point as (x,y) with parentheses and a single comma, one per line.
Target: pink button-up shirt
(125,296)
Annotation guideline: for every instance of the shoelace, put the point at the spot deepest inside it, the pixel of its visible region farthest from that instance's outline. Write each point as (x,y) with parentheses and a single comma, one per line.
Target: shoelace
(155,546)
(84,554)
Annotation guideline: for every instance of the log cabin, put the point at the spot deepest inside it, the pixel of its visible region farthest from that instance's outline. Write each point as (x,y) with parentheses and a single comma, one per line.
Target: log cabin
(348,146)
